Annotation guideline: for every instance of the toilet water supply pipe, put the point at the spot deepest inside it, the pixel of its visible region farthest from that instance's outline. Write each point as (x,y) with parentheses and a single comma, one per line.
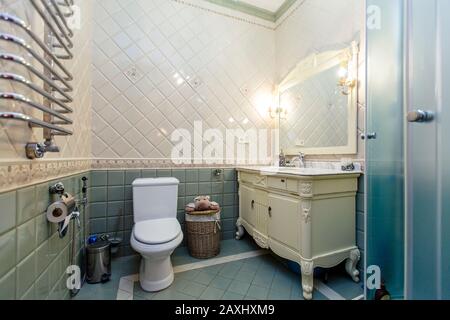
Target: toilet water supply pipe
(84,201)
(73,292)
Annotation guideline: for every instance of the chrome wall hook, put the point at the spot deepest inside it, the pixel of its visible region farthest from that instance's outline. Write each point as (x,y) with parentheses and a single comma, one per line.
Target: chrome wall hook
(57,189)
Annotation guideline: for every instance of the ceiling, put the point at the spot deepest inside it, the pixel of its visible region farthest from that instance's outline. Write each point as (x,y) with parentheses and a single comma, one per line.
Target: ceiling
(270,10)
(269,5)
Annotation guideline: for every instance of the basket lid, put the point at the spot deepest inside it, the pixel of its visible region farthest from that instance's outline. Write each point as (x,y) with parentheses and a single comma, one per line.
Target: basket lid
(203,213)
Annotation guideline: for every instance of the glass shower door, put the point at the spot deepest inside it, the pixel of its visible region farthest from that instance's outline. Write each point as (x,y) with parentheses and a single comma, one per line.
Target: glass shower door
(428,150)
(385,144)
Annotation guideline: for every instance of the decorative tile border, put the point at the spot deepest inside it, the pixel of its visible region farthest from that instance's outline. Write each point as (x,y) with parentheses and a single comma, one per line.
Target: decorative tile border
(19,174)
(149,164)
(15,175)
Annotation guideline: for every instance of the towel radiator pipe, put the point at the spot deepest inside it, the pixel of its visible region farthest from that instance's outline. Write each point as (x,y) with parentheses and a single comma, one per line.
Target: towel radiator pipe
(57,34)
(19,60)
(27,28)
(34,123)
(22,99)
(22,43)
(69,5)
(61,16)
(48,23)
(19,79)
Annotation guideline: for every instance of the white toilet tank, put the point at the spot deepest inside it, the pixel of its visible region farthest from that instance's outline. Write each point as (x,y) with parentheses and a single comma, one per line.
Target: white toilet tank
(155,198)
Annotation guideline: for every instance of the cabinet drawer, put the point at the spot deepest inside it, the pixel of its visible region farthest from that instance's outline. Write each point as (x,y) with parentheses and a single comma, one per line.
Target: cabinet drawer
(255,179)
(277,183)
(247,177)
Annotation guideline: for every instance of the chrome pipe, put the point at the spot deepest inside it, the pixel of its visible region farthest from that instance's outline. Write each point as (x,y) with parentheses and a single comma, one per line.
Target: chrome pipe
(29,84)
(27,28)
(20,42)
(34,123)
(54,32)
(62,17)
(66,3)
(61,26)
(19,60)
(22,99)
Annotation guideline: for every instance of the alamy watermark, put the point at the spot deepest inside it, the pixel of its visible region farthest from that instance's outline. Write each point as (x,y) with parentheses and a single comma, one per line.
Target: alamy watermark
(229,146)
(374,18)
(74,279)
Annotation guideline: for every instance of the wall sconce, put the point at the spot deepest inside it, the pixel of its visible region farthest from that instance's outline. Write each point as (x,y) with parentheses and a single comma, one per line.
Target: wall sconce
(346,81)
(278,113)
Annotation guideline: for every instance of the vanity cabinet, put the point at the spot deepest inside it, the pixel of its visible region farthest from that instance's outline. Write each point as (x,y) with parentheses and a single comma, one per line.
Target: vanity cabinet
(307,218)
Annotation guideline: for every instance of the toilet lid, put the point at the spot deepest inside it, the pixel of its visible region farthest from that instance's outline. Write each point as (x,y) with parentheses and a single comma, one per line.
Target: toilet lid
(157,231)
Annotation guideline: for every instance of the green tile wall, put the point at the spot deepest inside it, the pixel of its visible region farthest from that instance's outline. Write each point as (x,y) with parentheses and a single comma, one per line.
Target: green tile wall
(111,197)
(33,258)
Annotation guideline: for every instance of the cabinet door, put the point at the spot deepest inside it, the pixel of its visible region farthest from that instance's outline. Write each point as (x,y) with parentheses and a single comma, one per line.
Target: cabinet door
(262,214)
(247,204)
(284,220)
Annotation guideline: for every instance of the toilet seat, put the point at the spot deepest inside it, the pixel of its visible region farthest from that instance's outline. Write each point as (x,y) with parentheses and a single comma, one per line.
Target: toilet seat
(156,232)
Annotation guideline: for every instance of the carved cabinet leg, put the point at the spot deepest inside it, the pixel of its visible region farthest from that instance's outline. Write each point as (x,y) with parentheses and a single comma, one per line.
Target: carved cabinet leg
(350,265)
(240,230)
(307,279)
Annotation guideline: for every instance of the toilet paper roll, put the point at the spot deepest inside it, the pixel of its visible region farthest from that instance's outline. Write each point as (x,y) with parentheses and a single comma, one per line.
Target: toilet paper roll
(57,212)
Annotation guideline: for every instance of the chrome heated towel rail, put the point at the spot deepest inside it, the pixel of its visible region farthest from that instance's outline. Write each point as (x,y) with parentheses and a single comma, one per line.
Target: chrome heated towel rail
(47,52)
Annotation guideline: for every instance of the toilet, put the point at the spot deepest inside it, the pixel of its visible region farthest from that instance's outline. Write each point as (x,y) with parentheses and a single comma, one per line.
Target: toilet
(157,232)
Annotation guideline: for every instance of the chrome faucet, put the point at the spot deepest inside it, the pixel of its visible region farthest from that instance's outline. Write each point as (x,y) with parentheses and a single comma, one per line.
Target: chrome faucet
(301,157)
(299,161)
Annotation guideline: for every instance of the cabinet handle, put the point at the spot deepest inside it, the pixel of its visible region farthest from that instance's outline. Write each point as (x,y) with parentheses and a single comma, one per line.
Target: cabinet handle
(270,212)
(253,204)
(283,181)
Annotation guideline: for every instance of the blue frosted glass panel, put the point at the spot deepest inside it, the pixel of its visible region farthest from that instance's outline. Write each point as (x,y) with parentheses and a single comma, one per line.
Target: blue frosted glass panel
(444,125)
(422,267)
(385,155)
(428,184)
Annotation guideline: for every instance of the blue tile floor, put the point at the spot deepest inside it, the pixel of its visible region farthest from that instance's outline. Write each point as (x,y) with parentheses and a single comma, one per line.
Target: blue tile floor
(264,277)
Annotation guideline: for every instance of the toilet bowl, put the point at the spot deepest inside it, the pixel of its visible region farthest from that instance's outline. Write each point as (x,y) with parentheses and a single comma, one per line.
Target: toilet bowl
(155,241)
(157,232)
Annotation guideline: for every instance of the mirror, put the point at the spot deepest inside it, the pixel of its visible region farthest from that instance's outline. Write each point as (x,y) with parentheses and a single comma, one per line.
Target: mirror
(317,108)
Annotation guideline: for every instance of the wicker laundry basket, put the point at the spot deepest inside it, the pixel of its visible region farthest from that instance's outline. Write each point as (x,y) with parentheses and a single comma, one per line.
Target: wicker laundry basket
(203,234)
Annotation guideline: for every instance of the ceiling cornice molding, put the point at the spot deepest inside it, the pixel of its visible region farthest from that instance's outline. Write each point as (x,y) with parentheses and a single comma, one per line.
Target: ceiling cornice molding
(255,11)
(284,8)
(245,8)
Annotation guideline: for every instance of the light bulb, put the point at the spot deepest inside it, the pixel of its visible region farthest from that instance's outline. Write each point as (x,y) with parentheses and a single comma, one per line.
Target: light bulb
(343,72)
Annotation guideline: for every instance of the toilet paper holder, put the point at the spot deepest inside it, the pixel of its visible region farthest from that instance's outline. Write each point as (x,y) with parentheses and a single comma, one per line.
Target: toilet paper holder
(63,211)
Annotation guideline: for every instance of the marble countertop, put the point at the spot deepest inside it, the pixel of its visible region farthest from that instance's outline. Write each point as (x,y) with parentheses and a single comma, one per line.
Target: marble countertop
(299,171)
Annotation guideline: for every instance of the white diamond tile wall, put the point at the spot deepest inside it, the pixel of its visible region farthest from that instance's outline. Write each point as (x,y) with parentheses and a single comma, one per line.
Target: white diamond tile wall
(160,65)
(14,136)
